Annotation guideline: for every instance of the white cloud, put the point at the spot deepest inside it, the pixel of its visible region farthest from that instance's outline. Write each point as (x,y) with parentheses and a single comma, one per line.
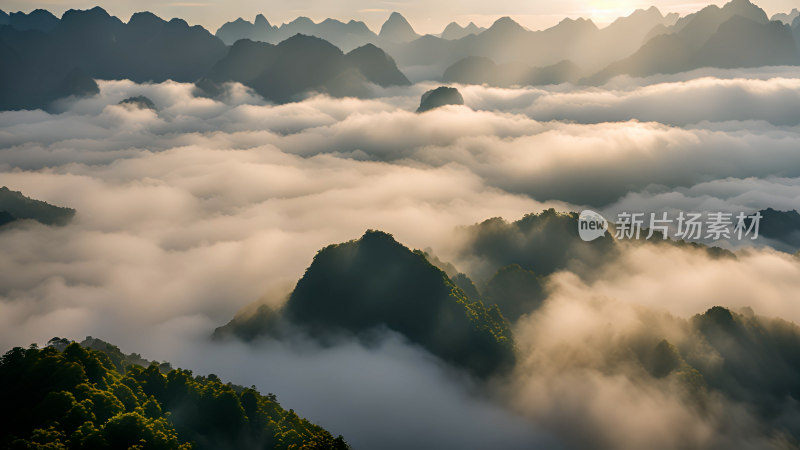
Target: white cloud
(188,213)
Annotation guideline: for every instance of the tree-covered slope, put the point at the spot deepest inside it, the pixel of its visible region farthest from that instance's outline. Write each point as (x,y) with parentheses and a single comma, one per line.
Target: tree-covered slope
(375,282)
(67,396)
(17,206)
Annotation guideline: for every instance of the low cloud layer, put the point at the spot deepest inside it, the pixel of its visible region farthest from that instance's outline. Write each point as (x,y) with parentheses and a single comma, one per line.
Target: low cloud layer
(188,213)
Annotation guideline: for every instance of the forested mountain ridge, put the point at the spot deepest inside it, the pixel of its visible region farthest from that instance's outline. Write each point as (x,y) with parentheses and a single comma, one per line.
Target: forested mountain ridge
(359,286)
(82,398)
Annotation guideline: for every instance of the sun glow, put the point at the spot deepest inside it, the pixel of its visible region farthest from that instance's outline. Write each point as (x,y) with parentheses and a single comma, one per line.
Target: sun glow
(603,12)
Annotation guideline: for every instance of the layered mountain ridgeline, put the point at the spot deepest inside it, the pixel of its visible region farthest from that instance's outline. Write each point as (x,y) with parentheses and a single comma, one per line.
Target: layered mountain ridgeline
(505,41)
(541,243)
(482,70)
(576,40)
(376,283)
(455,31)
(787,18)
(38,19)
(47,58)
(280,74)
(796,31)
(15,206)
(42,64)
(736,35)
(346,36)
(750,362)
(91,395)
(397,29)
(509,262)
(571,50)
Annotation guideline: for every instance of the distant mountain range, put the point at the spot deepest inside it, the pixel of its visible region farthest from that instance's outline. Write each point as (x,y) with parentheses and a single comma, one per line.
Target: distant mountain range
(279,74)
(787,18)
(736,35)
(644,43)
(46,64)
(46,58)
(346,36)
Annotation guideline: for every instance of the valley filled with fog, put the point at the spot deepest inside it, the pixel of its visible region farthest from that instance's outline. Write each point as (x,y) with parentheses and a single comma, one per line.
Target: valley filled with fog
(189,212)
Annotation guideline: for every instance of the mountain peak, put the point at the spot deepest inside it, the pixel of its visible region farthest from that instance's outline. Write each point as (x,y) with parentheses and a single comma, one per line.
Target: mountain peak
(304,41)
(302,20)
(579,23)
(455,31)
(397,29)
(438,97)
(262,21)
(145,18)
(651,11)
(506,24)
(339,292)
(787,18)
(93,12)
(96,16)
(745,8)
(396,16)
(471,26)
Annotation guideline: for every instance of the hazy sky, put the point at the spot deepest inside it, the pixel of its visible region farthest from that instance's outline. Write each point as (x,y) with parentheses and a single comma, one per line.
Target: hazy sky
(425,16)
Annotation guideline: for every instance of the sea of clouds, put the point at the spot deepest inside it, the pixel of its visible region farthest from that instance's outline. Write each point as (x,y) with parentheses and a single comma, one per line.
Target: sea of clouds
(191,212)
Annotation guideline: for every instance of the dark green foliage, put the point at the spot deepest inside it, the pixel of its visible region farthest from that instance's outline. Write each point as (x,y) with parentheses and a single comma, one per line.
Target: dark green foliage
(438,97)
(665,359)
(760,359)
(542,243)
(467,286)
(375,282)
(6,217)
(515,291)
(249,326)
(750,360)
(80,398)
(19,206)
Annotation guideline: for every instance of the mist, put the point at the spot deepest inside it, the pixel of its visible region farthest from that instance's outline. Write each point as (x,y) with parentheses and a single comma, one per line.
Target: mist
(189,213)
